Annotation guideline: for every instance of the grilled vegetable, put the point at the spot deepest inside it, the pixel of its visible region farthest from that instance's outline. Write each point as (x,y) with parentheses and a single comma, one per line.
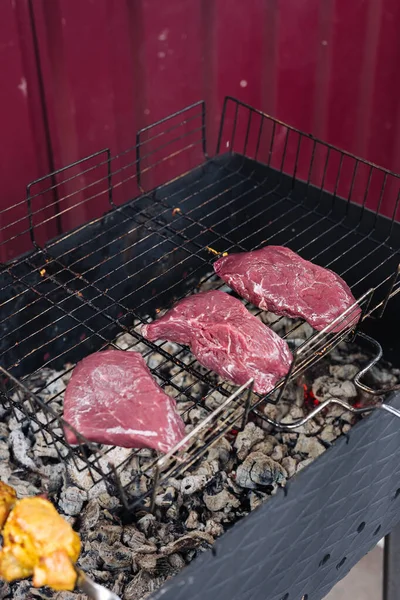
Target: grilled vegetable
(8,498)
(38,541)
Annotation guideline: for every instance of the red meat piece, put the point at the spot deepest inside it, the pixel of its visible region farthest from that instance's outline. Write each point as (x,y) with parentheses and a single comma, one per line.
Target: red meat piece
(277,279)
(112,399)
(226,338)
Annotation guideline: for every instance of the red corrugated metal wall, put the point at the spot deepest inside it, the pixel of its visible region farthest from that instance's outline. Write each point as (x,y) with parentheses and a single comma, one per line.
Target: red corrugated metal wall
(81,75)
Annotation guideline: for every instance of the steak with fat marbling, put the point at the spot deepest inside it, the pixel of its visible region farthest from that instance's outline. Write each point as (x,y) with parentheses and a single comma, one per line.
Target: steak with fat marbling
(113,399)
(277,279)
(226,338)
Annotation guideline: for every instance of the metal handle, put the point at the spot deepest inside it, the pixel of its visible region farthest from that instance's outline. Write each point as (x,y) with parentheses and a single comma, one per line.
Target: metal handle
(377,358)
(393,411)
(299,422)
(357,381)
(93,589)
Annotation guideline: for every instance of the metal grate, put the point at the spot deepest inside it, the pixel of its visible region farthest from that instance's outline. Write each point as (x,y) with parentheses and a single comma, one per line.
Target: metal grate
(135,244)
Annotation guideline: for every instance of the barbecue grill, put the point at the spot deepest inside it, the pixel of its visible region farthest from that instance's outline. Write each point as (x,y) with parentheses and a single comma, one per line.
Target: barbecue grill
(130,244)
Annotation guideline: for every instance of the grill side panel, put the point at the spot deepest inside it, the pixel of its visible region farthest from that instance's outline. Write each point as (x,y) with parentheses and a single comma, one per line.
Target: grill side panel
(303,541)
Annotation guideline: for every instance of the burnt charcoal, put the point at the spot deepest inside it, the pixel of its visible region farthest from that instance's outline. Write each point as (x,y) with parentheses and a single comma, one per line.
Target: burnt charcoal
(79,475)
(246,439)
(140,586)
(266,446)
(108,533)
(337,416)
(329,434)
(279,452)
(4,431)
(23,488)
(258,470)
(192,521)
(328,387)
(90,516)
(222,452)
(20,590)
(289,464)
(20,447)
(290,439)
(344,372)
(44,593)
(5,469)
(309,447)
(5,590)
(176,561)
(146,562)
(137,541)
(89,561)
(256,499)
(148,525)
(215,485)
(114,556)
(213,528)
(222,500)
(193,483)
(120,583)
(188,542)
(72,500)
(108,502)
(102,576)
(167,498)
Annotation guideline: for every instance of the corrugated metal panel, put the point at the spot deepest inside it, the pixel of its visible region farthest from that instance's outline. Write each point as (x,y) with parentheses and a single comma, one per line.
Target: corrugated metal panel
(24,151)
(110,67)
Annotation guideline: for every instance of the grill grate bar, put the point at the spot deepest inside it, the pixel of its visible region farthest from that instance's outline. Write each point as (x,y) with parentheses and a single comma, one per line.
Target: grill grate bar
(133,333)
(107,275)
(74,274)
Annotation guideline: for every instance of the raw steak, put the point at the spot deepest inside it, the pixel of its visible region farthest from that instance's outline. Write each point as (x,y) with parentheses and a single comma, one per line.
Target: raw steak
(277,279)
(112,399)
(226,338)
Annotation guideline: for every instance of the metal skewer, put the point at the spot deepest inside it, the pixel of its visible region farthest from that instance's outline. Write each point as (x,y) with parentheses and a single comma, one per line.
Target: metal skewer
(93,589)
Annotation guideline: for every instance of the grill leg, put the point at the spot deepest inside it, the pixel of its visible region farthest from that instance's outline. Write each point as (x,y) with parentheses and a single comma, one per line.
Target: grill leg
(391,565)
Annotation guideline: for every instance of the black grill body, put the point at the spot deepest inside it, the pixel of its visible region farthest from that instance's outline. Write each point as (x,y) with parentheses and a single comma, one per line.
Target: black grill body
(307,537)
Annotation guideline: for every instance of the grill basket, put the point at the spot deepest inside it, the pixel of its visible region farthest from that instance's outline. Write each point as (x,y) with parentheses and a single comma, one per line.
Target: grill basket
(125,244)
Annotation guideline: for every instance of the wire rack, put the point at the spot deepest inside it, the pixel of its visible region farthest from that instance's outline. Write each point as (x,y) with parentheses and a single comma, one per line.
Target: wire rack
(135,244)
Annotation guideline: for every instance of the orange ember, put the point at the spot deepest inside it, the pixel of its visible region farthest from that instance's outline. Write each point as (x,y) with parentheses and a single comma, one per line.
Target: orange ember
(309,396)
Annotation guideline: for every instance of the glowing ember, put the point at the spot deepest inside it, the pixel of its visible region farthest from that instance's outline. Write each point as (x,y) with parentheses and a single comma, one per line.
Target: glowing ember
(358,404)
(233,432)
(309,396)
(42,272)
